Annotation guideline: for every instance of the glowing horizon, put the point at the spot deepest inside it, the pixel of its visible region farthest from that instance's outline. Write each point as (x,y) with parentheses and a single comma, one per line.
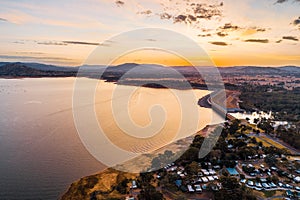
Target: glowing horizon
(233,33)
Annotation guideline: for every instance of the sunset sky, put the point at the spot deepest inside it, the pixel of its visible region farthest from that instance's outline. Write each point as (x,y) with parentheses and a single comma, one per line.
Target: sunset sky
(233,33)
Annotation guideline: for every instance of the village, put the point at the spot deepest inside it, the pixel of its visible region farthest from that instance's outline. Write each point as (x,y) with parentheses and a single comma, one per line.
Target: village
(263,168)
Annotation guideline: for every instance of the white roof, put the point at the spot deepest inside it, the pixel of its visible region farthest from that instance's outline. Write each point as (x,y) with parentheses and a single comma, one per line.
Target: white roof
(204,179)
(198,187)
(190,188)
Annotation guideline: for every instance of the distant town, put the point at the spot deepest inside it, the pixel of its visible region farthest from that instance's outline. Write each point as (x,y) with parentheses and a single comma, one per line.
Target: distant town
(257,155)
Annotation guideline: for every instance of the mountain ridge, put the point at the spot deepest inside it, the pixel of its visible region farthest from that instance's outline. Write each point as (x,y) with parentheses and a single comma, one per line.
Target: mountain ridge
(16,69)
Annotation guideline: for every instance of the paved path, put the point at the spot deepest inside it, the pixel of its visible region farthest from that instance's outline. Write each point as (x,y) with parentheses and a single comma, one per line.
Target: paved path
(277,140)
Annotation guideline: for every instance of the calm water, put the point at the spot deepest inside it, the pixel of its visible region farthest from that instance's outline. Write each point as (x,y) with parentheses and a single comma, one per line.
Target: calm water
(40,151)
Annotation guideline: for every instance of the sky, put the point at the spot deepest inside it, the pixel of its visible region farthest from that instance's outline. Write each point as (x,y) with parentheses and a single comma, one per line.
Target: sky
(232,33)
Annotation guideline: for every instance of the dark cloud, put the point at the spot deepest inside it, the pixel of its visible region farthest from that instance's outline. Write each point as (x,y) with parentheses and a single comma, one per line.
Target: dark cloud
(184,11)
(206,11)
(19,42)
(229,27)
(283,1)
(290,38)
(30,53)
(260,29)
(165,16)
(204,35)
(119,3)
(192,18)
(52,43)
(296,21)
(80,42)
(151,40)
(40,58)
(206,30)
(180,18)
(146,12)
(64,43)
(3,20)
(219,43)
(221,34)
(258,40)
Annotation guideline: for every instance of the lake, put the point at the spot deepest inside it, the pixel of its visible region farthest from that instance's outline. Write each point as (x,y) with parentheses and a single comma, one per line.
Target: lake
(41,153)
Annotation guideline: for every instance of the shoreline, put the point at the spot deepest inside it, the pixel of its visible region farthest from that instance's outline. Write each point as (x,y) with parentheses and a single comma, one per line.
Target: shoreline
(143,159)
(205,101)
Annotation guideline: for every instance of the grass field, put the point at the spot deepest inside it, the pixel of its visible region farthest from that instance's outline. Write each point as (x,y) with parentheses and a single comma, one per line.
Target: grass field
(271,142)
(266,144)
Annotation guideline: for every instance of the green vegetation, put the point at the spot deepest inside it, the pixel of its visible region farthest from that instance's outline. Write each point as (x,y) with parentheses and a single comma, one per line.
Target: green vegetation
(162,159)
(285,102)
(148,191)
(269,193)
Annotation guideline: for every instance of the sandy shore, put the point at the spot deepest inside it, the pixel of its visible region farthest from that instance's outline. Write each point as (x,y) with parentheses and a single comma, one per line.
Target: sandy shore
(109,176)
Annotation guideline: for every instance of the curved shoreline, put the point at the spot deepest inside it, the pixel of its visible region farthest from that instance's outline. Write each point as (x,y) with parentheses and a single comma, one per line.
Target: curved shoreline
(205,101)
(177,146)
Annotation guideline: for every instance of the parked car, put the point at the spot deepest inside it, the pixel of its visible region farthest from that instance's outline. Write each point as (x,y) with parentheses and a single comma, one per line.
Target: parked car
(265,185)
(198,188)
(272,185)
(258,184)
(250,183)
(190,188)
(280,184)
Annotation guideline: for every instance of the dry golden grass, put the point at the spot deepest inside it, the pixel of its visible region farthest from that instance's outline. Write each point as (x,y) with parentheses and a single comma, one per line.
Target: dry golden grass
(266,144)
(273,143)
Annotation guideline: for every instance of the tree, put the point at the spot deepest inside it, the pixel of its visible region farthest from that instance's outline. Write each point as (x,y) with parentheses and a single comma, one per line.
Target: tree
(145,178)
(242,176)
(271,160)
(193,168)
(149,193)
(234,126)
(191,154)
(122,186)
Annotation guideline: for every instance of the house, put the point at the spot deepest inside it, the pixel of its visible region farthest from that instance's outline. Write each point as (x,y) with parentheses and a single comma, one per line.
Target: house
(204,179)
(219,167)
(178,183)
(257,184)
(214,188)
(289,193)
(250,183)
(205,172)
(190,188)
(232,172)
(198,188)
(210,178)
(265,185)
(133,186)
(243,181)
(263,180)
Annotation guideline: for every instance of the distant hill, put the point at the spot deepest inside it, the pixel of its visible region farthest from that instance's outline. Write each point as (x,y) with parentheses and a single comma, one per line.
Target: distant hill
(33,70)
(255,70)
(290,69)
(19,69)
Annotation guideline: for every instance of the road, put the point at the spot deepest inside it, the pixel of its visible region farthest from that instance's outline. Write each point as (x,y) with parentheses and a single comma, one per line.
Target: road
(277,140)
